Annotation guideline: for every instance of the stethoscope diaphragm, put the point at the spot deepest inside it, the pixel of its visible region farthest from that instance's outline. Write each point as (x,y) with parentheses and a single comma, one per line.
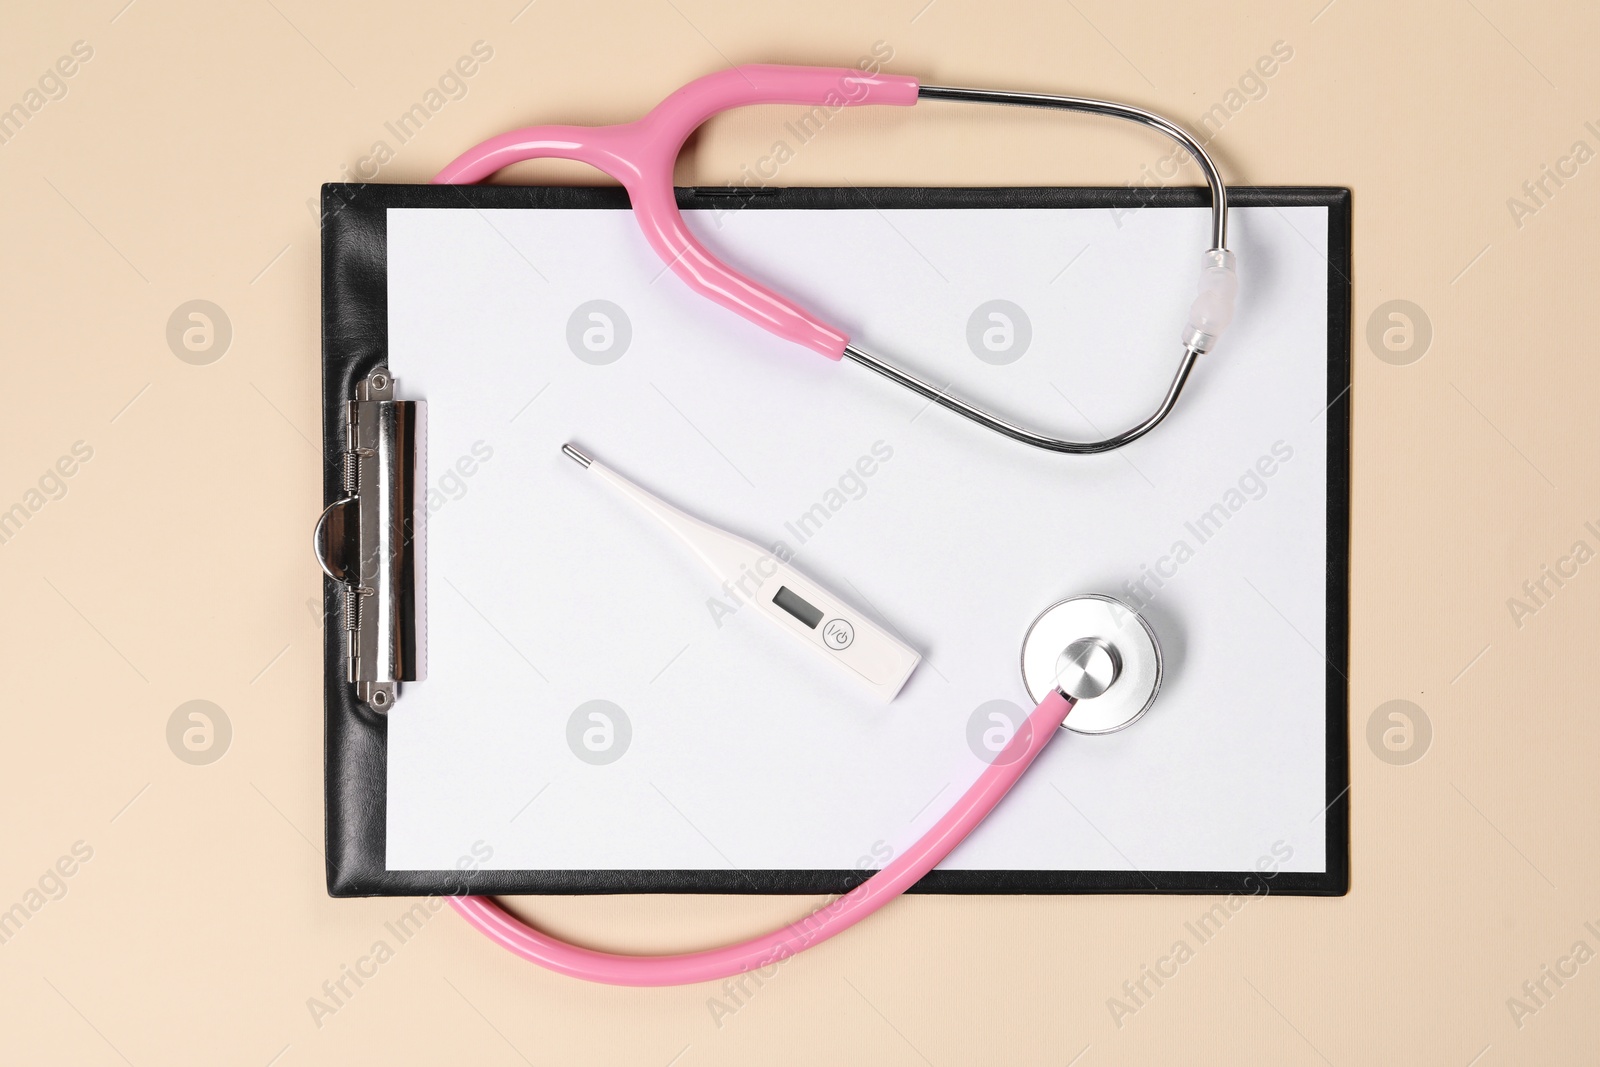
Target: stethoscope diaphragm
(1098,651)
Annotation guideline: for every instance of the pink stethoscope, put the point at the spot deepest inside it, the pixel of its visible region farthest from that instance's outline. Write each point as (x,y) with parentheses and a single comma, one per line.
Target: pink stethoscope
(1088,655)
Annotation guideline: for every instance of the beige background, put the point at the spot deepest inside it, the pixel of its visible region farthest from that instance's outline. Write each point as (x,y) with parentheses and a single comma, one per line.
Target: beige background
(179,165)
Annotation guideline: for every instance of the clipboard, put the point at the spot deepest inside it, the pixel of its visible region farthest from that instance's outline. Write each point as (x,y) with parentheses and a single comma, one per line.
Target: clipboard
(375,450)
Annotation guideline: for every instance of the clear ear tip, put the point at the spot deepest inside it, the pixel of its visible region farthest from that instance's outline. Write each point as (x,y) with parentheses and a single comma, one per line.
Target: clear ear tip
(1212,310)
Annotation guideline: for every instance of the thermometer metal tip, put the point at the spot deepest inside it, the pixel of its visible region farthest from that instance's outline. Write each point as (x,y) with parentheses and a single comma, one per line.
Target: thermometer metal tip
(753,575)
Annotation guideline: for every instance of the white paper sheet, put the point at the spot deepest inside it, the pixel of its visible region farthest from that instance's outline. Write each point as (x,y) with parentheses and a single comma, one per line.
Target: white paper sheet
(546,592)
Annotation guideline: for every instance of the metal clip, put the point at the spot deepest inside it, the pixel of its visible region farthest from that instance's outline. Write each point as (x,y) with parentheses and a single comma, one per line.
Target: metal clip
(370,540)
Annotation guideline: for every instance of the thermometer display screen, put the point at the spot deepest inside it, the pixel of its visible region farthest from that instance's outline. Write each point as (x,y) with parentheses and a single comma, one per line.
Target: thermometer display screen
(795,605)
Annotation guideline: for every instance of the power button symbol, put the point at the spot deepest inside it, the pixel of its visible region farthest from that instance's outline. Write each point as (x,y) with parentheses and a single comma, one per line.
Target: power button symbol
(837,634)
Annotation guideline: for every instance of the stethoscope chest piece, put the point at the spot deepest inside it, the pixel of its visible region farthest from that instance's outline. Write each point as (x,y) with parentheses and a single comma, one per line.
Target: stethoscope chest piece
(1101,653)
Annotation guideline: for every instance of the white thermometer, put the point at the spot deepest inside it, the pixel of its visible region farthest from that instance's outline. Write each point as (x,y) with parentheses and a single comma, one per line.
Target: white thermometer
(799,606)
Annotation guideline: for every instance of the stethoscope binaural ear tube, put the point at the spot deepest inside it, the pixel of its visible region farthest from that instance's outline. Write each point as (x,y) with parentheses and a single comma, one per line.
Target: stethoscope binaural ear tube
(1101,653)
(1209,315)
(641,155)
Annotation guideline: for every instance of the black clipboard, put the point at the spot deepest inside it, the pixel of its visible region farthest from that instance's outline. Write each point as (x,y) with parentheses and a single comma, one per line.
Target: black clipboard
(354,343)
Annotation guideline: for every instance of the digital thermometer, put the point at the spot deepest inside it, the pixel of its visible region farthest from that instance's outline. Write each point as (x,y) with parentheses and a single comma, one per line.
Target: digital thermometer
(803,609)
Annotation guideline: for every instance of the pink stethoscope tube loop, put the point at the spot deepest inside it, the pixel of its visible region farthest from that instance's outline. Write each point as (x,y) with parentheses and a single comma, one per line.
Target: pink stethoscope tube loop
(641,155)
(833,918)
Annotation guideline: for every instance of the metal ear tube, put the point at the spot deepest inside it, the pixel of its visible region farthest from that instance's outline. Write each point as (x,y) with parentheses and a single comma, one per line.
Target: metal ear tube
(1209,316)
(641,155)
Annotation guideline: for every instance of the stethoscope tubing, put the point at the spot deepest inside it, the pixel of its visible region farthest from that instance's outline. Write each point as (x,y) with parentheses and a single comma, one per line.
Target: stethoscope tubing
(833,918)
(640,155)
